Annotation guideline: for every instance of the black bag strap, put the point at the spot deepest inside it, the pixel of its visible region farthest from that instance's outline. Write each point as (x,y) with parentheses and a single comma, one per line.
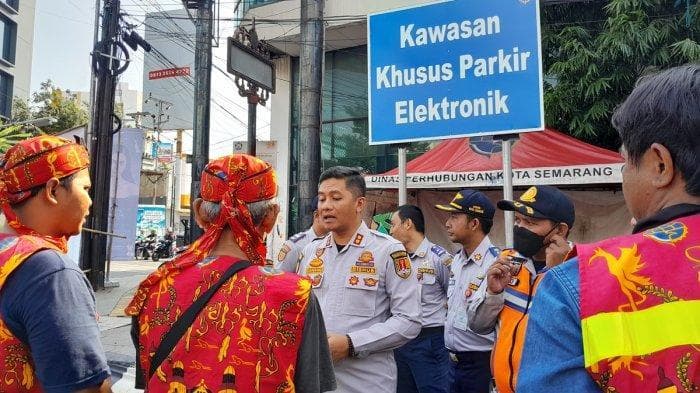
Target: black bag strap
(185,321)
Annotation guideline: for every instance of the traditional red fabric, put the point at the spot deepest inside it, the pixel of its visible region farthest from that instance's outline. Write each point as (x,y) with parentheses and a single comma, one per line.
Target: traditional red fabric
(641,277)
(17,372)
(32,163)
(247,337)
(232,181)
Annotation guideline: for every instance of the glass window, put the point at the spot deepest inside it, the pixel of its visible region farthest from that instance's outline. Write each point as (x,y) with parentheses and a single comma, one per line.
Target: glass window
(8,38)
(6,86)
(345,130)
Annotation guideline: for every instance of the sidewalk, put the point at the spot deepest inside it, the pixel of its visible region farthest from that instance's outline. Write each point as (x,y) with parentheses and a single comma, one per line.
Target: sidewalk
(115,326)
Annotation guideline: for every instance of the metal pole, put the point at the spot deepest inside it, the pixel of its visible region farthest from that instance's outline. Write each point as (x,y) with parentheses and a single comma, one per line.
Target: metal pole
(311,76)
(202,89)
(93,248)
(93,78)
(509,216)
(252,114)
(403,192)
(113,214)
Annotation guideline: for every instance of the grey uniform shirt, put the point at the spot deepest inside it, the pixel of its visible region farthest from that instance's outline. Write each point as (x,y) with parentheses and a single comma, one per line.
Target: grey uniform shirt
(288,256)
(432,264)
(484,309)
(468,272)
(369,291)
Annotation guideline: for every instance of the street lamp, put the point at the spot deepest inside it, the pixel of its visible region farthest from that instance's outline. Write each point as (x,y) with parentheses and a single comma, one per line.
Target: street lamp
(38,122)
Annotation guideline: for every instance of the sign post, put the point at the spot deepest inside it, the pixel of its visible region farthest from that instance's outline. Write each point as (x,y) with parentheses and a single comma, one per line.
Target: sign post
(254,74)
(454,69)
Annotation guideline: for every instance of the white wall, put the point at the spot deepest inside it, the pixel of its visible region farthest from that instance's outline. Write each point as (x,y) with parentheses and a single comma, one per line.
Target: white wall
(280,120)
(22,69)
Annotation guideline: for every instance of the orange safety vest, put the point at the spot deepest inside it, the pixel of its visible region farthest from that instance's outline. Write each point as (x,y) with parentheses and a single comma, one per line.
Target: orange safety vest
(640,309)
(245,339)
(507,351)
(16,366)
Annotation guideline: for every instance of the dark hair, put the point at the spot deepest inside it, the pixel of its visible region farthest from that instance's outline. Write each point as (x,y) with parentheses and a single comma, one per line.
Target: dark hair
(413,213)
(353,178)
(485,223)
(34,191)
(665,108)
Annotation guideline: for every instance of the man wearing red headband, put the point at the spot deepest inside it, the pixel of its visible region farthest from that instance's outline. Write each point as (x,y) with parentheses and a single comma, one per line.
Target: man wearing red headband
(216,318)
(49,339)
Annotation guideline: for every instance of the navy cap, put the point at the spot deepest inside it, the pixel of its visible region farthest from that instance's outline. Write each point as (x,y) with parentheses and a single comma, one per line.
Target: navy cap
(543,202)
(470,202)
(313,205)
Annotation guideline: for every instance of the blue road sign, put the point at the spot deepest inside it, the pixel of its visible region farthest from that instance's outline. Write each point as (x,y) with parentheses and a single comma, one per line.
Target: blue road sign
(453,69)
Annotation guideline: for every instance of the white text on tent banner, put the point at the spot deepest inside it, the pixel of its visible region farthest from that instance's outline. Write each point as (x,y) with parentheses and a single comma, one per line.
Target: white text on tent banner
(570,175)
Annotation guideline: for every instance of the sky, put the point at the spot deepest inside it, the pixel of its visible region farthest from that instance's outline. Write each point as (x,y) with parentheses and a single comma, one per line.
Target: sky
(63,38)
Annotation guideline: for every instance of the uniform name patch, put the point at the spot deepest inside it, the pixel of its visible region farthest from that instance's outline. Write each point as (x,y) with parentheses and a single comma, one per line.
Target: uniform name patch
(365,270)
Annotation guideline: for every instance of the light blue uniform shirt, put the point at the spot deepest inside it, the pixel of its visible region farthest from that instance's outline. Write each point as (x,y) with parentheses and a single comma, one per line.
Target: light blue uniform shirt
(468,272)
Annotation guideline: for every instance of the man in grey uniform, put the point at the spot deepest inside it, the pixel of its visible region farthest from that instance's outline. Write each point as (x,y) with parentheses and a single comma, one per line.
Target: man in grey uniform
(470,220)
(288,256)
(365,284)
(422,363)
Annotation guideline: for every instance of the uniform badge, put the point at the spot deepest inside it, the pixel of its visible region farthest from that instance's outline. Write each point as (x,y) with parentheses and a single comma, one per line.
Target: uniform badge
(370,282)
(366,257)
(283,252)
(316,280)
(366,261)
(447,262)
(358,239)
(473,286)
(402,264)
(477,257)
(669,233)
(354,280)
(320,251)
(315,266)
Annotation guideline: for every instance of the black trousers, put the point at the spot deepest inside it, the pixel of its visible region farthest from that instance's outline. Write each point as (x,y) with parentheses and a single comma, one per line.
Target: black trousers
(470,372)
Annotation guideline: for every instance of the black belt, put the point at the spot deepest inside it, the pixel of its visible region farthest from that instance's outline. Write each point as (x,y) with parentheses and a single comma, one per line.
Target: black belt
(429,331)
(469,356)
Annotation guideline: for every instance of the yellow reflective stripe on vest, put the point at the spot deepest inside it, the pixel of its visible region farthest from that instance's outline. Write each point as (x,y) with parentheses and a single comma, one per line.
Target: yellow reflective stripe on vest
(667,325)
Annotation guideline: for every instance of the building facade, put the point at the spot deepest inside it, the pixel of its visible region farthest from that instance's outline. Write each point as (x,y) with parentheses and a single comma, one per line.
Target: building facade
(16,43)
(344,135)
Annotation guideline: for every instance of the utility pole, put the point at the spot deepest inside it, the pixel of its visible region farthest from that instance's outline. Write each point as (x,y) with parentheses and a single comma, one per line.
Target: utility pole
(311,66)
(202,91)
(94,246)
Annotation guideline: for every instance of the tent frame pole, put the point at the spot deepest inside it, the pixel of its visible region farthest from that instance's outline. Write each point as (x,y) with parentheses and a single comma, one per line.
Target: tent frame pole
(509,216)
(403,191)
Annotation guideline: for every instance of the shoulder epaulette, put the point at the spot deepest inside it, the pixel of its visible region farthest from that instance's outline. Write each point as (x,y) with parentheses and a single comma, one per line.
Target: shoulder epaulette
(296,238)
(494,251)
(438,250)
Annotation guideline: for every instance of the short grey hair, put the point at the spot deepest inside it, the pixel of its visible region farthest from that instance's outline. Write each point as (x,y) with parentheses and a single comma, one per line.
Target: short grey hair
(211,210)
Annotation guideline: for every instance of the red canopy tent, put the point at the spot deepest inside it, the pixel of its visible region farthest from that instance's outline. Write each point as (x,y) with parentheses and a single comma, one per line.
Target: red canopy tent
(546,157)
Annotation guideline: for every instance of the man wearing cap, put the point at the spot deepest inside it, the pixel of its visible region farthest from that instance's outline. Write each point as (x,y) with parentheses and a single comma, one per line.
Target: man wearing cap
(422,363)
(543,218)
(470,221)
(288,257)
(628,308)
(366,285)
(49,338)
(258,329)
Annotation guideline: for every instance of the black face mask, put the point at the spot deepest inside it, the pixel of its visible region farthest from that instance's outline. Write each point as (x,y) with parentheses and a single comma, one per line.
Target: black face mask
(526,242)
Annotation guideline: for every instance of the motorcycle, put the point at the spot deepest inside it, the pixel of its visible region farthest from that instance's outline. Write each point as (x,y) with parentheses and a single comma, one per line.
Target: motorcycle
(163,249)
(143,249)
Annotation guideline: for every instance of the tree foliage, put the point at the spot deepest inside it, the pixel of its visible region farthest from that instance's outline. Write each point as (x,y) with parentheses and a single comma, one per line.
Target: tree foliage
(51,101)
(593,53)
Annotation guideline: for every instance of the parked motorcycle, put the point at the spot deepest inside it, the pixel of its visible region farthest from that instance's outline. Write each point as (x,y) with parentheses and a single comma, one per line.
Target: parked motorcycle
(163,249)
(143,248)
